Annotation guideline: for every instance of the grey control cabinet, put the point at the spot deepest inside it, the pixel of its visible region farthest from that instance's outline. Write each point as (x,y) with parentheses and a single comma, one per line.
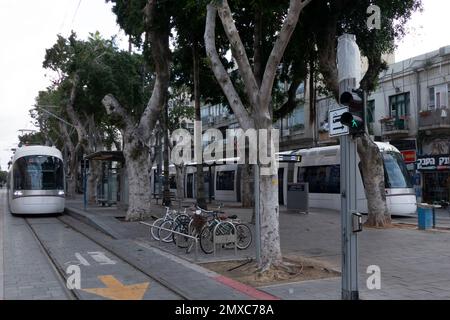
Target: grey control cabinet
(297,197)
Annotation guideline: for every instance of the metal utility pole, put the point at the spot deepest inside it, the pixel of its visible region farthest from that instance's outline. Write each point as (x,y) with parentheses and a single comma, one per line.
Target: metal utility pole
(349,62)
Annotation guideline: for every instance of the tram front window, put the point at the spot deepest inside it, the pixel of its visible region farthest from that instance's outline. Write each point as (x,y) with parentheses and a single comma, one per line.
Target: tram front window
(38,173)
(396,174)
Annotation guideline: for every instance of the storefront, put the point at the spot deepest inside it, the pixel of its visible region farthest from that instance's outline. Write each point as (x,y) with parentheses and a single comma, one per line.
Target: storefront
(435,174)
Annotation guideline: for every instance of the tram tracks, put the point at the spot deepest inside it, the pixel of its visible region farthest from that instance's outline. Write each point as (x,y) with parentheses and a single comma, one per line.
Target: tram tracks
(74,294)
(59,272)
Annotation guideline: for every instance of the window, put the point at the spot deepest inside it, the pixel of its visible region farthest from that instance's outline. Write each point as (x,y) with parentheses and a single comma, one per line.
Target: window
(395,173)
(370,117)
(296,120)
(441,96)
(431,99)
(399,105)
(225,180)
(323,179)
(38,173)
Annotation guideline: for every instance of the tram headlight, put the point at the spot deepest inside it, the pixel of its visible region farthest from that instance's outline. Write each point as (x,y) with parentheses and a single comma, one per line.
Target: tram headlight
(61,193)
(18,194)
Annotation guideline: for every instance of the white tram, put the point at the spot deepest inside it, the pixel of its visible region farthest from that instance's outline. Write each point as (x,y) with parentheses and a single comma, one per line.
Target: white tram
(36,181)
(320,167)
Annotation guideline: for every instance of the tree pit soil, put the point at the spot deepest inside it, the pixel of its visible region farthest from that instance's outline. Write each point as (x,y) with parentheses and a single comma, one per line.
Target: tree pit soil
(298,269)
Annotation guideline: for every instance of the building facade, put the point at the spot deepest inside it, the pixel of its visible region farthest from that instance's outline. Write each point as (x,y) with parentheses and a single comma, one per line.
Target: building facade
(410,110)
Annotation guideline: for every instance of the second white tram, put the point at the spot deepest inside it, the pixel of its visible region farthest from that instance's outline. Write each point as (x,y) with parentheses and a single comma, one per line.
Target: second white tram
(36,181)
(320,167)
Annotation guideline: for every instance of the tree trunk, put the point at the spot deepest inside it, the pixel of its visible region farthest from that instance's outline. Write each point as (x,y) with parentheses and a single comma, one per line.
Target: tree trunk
(72,175)
(269,212)
(248,200)
(180,181)
(166,194)
(93,179)
(259,96)
(374,184)
(200,181)
(139,194)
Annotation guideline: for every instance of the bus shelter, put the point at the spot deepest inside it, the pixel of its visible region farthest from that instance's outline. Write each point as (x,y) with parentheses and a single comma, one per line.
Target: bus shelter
(109,186)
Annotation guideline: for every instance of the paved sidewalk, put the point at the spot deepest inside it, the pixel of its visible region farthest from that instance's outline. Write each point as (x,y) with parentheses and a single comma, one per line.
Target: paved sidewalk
(414,264)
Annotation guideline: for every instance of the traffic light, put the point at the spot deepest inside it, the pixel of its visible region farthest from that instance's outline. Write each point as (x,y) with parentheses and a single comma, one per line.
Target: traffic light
(354,119)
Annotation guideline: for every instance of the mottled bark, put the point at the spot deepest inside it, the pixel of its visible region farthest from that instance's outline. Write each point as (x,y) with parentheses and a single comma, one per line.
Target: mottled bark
(93,181)
(374,184)
(180,173)
(139,195)
(269,212)
(247,189)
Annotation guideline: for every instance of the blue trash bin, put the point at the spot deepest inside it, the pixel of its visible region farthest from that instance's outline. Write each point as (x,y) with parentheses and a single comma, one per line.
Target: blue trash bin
(425,216)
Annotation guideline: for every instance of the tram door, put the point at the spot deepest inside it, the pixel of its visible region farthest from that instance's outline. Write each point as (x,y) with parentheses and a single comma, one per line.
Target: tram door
(280,186)
(190,186)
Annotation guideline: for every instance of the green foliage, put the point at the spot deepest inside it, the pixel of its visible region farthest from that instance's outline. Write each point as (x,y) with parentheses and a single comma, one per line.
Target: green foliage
(37,138)
(323,21)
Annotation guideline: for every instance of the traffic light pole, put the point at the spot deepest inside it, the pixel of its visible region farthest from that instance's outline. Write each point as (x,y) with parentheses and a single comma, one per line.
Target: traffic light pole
(348,207)
(346,61)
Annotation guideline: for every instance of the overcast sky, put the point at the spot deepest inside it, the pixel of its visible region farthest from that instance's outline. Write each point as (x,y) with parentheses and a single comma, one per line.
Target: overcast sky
(28,27)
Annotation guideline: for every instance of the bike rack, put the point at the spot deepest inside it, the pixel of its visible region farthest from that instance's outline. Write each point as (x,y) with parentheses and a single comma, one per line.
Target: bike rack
(176,232)
(225,239)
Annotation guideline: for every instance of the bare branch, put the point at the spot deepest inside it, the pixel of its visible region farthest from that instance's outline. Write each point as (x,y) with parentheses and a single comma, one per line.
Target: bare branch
(219,70)
(238,50)
(295,8)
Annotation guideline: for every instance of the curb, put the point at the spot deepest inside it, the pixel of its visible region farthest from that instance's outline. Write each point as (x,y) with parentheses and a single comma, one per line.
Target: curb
(92,221)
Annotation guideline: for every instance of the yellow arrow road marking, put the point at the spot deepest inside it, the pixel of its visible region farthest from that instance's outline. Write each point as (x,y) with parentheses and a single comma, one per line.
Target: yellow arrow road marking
(116,290)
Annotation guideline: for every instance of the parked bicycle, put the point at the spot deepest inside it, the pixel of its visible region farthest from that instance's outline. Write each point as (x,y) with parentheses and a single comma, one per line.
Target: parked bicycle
(160,227)
(202,225)
(243,232)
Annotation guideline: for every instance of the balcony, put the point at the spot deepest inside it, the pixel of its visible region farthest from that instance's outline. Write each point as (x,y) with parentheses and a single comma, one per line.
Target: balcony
(395,126)
(434,119)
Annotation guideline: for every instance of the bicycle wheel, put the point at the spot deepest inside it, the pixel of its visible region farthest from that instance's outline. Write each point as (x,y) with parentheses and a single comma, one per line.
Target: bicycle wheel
(244,236)
(155,231)
(182,218)
(206,240)
(180,240)
(166,235)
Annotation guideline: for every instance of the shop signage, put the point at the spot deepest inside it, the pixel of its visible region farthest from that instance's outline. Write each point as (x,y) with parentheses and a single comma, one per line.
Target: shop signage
(440,162)
(409,156)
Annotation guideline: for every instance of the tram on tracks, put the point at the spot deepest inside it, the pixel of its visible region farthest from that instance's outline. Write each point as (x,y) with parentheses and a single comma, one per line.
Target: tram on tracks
(36,181)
